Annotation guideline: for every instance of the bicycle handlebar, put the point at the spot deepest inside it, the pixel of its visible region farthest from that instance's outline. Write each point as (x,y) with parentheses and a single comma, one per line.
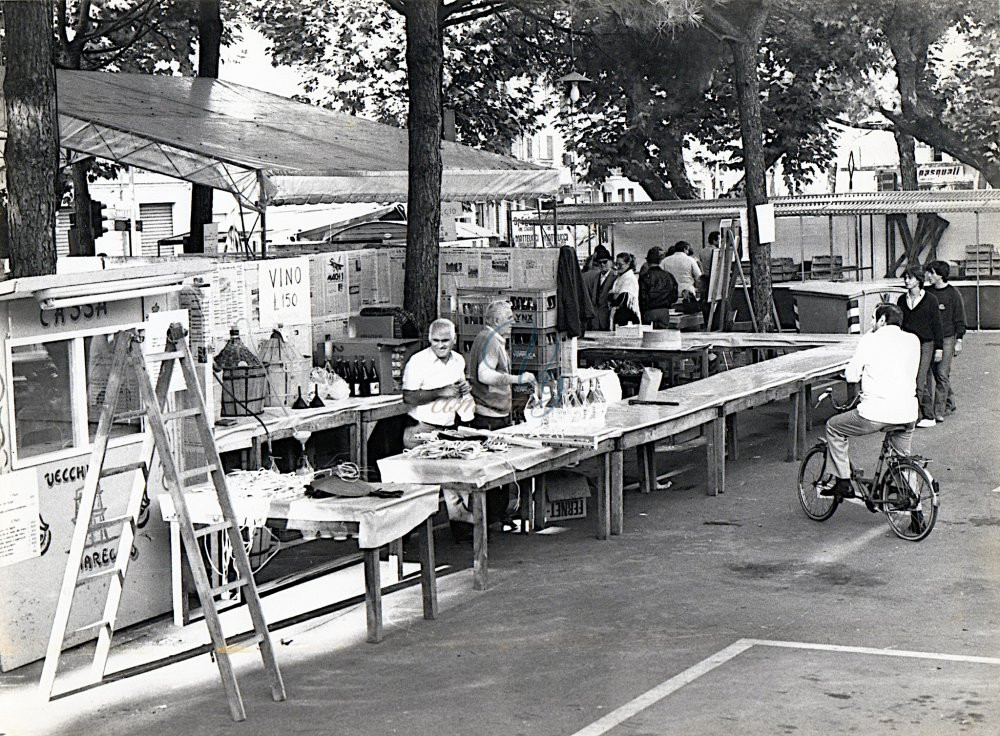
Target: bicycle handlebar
(828,394)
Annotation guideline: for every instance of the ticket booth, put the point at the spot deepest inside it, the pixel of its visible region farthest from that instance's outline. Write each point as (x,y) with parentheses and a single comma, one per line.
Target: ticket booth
(55,347)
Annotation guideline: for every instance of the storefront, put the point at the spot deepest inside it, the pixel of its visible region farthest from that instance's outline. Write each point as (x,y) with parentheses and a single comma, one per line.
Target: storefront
(55,345)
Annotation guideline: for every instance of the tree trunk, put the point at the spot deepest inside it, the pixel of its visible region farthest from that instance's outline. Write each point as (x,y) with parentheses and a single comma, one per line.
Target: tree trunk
(672,154)
(209,46)
(424,62)
(32,149)
(908,68)
(907,160)
(650,181)
(752,134)
(82,233)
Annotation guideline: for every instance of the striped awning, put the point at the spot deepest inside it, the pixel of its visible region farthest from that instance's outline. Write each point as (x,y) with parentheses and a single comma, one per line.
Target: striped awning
(867,203)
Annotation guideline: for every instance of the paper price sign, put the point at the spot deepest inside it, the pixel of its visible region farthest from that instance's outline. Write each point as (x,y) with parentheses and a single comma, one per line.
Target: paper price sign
(284,292)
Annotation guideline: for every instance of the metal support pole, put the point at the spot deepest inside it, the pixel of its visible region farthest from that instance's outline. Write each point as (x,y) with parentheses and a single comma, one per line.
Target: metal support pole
(978,271)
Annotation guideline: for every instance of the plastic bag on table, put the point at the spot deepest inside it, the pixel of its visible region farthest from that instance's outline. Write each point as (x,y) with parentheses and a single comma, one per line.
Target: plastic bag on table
(329,385)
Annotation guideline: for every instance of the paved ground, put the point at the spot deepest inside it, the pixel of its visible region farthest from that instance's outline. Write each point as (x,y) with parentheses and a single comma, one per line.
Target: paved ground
(707,616)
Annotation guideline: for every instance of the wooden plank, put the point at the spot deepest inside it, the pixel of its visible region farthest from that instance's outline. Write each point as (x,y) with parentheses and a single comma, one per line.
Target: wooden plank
(480,562)
(603,516)
(373,596)
(428,574)
(716,456)
(540,502)
(615,460)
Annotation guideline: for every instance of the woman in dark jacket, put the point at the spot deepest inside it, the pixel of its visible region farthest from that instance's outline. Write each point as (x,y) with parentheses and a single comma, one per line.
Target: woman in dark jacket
(921,317)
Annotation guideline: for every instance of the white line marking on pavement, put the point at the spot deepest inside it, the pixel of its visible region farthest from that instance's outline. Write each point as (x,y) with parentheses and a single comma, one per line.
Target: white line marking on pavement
(658,693)
(847,548)
(879,652)
(996,490)
(651,697)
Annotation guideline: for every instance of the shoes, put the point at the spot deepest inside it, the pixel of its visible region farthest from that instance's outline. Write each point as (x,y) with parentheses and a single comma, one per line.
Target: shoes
(917,523)
(939,419)
(924,423)
(835,487)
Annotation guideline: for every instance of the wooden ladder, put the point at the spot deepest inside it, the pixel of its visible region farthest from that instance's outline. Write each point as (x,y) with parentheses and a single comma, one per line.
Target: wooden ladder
(156,444)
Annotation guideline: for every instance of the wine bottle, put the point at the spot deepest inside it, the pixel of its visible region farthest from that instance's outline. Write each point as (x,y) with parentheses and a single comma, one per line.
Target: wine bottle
(374,387)
(349,377)
(361,377)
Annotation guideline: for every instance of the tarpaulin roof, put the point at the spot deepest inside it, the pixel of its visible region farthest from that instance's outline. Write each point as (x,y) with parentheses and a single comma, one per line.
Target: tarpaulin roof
(238,139)
(860,203)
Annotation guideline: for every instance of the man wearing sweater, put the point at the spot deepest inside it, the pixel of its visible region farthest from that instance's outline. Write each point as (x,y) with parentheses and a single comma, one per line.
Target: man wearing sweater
(951,309)
(921,317)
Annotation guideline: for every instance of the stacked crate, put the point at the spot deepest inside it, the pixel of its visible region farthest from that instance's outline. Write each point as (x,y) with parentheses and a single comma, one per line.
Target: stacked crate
(830,268)
(534,340)
(981,260)
(783,269)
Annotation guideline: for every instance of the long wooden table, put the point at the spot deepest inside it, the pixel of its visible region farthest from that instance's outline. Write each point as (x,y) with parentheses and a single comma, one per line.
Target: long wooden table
(515,465)
(359,415)
(709,402)
(375,522)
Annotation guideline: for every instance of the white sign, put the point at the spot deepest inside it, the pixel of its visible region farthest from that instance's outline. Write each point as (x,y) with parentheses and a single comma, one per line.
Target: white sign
(284,292)
(765,222)
(19,532)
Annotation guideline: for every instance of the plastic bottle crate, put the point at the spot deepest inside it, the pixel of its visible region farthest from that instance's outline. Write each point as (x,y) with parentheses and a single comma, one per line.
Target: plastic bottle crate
(534,308)
(540,346)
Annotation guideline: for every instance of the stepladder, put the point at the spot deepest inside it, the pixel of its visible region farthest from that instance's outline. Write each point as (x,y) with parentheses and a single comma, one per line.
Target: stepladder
(175,398)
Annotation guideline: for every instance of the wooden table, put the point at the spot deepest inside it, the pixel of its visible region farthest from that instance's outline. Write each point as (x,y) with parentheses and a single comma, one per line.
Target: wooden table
(712,401)
(375,522)
(359,415)
(515,465)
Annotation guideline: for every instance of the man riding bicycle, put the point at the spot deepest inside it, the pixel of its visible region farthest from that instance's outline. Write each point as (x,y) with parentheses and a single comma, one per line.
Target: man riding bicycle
(885,363)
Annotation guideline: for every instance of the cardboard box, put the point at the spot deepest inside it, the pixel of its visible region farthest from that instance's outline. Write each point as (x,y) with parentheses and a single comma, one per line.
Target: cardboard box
(566,495)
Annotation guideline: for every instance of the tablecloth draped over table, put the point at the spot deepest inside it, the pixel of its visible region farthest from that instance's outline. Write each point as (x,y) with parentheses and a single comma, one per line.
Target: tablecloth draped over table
(380,520)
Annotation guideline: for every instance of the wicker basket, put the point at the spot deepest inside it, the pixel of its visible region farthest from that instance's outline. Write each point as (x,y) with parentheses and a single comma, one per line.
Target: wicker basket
(244,378)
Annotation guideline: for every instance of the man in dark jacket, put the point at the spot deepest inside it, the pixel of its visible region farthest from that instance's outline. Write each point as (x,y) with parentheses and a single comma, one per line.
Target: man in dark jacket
(657,290)
(597,282)
(951,309)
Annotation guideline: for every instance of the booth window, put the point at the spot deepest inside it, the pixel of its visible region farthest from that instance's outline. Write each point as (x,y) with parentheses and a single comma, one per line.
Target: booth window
(98,352)
(43,407)
(59,391)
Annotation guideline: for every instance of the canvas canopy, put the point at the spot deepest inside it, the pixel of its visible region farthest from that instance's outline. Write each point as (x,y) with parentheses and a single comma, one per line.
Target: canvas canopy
(263,148)
(857,203)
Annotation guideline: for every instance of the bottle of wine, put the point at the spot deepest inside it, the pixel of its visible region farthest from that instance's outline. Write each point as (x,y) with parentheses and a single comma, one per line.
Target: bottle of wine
(349,377)
(361,374)
(374,387)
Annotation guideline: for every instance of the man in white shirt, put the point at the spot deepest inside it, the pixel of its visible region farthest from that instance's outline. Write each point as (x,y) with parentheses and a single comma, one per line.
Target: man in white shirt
(434,385)
(885,363)
(684,267)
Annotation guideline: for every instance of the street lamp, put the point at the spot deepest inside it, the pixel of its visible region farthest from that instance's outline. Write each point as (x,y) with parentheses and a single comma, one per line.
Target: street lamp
(572,82)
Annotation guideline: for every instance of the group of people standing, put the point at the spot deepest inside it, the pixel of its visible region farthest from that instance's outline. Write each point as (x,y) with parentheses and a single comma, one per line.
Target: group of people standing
(621,294)
(933,311)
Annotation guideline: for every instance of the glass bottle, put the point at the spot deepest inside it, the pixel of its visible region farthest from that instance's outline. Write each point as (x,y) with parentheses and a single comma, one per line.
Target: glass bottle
(374,386)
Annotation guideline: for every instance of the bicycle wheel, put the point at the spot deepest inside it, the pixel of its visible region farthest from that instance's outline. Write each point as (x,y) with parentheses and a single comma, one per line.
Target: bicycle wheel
(812,471)
(909,499)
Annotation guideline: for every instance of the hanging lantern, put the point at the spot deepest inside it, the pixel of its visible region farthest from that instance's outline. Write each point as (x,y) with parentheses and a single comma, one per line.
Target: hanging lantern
(275,356)
(244,378)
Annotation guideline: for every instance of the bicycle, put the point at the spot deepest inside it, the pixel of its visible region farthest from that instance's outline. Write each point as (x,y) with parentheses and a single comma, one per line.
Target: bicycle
(901,486)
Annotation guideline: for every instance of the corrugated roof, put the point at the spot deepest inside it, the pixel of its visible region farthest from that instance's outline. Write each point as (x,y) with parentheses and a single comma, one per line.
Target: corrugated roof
(868,203)
(236,138)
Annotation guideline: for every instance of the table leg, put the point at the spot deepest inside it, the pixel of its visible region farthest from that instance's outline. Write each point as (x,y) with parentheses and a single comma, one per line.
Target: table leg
(796,424)
(539,502)
(603,516)
(733,436)
(177,574)
(808,415)
(525,492)
(616,462)
(481,558)
(358,443)
(373,596)
(646,455)
(716,456)
(705,365)
(428,575)
(396,550)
